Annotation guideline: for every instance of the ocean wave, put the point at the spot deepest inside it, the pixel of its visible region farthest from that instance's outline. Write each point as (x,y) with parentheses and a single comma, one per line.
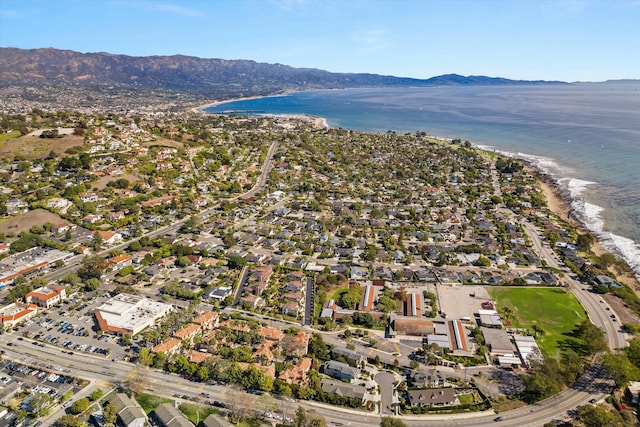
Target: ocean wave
(588,214)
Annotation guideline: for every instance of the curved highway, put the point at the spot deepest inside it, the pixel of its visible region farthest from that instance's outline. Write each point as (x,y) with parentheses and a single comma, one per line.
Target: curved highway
(594,384)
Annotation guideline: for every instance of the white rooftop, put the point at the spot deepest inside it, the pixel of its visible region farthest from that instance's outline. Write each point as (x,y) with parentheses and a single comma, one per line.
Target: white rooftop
(132,312)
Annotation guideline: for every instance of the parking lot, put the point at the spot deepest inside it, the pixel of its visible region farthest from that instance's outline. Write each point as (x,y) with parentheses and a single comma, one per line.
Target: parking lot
(461,301)
(36,380)
(72,327)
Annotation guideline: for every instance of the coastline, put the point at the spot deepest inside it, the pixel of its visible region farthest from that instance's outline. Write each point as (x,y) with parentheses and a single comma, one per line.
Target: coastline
(316,121)
(559,199)
(559,203)
(201,108)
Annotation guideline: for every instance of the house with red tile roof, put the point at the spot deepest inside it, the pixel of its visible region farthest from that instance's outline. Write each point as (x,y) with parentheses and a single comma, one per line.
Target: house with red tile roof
(168,346)
(291,308)
(295,345)
(108,237)
(187,333)
(253,300)
(46,296)
(207,320)
(198,356)
(264,352)
(269,371)
(297,374)
(270,333)
(16,313)
(120,261)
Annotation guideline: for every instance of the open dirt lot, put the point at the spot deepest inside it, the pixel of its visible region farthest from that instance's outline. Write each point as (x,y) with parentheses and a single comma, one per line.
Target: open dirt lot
(34,147)
(24,222)
(102,182)
(457,301)
(163,142)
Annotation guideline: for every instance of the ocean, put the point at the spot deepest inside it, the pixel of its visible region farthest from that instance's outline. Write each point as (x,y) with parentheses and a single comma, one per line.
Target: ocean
(586,136)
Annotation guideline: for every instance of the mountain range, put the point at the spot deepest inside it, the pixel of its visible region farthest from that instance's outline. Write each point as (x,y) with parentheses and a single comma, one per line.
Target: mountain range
(32,67)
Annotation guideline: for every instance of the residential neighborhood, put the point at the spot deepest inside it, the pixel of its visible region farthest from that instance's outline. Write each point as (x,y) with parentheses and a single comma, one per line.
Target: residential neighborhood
(269,253)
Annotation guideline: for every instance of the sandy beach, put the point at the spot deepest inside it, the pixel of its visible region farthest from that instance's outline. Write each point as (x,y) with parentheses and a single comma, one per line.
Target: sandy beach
(317,122)
(562,207)
(201,108)
(556,201)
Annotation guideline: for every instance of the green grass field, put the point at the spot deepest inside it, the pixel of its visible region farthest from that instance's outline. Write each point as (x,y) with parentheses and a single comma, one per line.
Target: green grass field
(11,135)
(149,402)
(554,310)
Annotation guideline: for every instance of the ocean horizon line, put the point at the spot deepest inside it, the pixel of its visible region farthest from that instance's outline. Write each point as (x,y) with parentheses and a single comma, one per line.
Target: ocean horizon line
(586,215)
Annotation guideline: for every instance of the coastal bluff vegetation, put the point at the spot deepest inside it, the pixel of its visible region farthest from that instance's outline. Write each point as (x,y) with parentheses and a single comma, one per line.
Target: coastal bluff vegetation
(198,199)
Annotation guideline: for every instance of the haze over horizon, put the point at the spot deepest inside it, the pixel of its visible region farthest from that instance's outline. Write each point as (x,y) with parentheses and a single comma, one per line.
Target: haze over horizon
(568,40)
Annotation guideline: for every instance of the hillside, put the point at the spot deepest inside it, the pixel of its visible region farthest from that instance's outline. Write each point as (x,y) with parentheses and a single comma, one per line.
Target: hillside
(53,66)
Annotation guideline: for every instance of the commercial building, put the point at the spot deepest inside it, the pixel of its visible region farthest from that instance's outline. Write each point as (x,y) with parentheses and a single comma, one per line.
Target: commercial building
(129,314)
(528,349)
(414,305)
(47,296)
(29,261)
(15,313)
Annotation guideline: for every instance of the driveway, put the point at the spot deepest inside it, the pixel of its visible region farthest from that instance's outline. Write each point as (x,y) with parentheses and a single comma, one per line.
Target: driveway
(385,381)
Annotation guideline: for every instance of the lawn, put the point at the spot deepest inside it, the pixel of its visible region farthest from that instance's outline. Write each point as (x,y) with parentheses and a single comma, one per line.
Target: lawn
(150,402)
(196,413)
(554,310)
(335,294)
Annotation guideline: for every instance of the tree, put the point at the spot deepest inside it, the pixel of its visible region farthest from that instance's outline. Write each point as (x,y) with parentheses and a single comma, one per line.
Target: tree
(146,357)
(391,422)
(585,241)
(136,382)
(538,386)
(97,242)
(483,261)
(318,347)
(266,403)
(91,284)
(300,418)
(96,394)
(202,373)
(69,421)
(596,416)
(633,352)
(40,402)
(621,368)
(92,266)
(110,413)
(236,262)
(592,336)
(135,246)
(386,304)
(80,405)
(350,298)
(183,261)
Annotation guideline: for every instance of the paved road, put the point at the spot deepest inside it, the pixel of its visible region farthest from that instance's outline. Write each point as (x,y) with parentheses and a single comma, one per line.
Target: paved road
(86,366)
(94,369)
(599,312)
(385,380)
(309,299)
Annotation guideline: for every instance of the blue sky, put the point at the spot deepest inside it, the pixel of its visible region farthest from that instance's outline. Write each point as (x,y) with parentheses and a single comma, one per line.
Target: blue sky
(570,40)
